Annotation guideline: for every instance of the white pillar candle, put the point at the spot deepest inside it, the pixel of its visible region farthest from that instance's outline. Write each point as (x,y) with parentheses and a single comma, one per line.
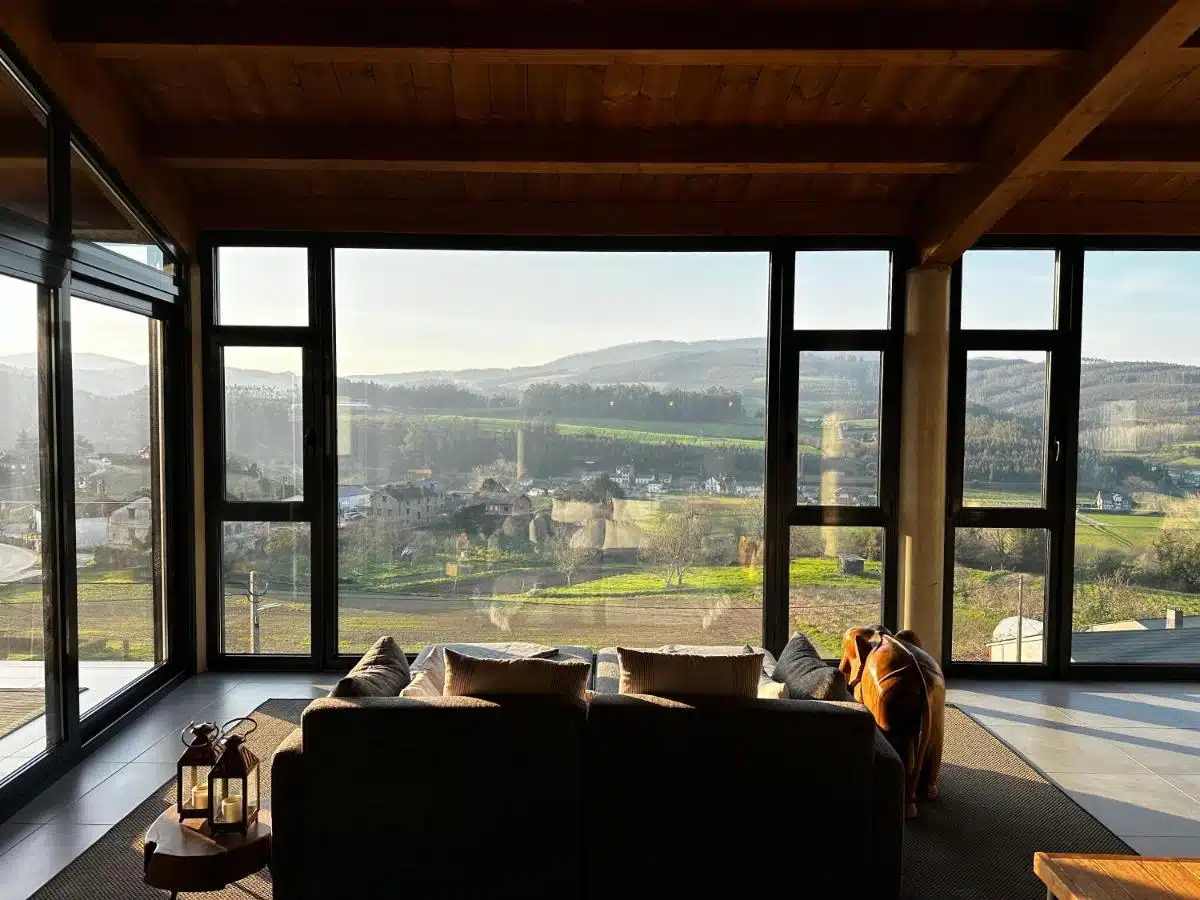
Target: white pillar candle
(231,809)
(200,797)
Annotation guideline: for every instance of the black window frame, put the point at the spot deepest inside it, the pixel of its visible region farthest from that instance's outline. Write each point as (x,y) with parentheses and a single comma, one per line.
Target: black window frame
(63,266)
(1063,341)
(319,506)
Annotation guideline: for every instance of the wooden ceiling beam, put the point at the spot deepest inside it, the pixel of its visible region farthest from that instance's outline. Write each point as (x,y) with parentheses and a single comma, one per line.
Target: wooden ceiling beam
(1047,115)
(578,36)
(1101,218)
(565,218)
(103,114)
(797,150)
(540,150)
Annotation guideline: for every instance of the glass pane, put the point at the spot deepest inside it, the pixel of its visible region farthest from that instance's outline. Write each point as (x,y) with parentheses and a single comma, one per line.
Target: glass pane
(840,289)
(24,183)
(262,286)
(264,423)
(266,571)
(835,582)
(1009,289)
(838,439)
(557,447)
(23,600)
(999,594)
(1004,457)
(99,215)
(115,363)
(1137,526)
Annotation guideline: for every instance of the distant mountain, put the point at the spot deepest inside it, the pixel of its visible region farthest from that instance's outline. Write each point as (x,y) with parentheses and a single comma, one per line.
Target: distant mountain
(739,364)
(94,373)
(1124,392)
(94,362)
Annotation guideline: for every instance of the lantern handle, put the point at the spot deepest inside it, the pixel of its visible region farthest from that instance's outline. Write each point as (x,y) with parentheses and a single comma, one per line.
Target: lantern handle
(232,723)
(183,735)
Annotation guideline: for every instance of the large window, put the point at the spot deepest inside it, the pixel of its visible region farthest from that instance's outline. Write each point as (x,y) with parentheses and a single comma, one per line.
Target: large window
(263,523)
(25,184)
(94,468)
(1006,465)
(1137,519)
(844,350)
(116,364)
(23,598)
(558,447)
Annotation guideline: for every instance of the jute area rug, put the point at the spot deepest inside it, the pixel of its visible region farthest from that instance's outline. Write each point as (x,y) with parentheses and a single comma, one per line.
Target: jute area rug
(977,841)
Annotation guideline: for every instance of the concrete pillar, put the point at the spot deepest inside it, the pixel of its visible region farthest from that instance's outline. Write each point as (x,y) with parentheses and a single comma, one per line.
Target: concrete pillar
(922,513)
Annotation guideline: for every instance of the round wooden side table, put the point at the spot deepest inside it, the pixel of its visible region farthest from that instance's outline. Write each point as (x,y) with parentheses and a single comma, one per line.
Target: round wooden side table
(186,856)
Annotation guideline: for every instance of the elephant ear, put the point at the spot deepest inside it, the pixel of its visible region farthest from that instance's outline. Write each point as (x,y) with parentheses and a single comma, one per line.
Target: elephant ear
(858,647)
(909,637)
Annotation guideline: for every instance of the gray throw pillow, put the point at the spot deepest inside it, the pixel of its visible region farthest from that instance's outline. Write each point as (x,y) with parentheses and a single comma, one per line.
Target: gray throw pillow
(382,672)
(807,676)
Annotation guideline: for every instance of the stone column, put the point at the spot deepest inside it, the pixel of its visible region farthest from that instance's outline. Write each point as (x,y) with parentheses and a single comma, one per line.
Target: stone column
(922,512)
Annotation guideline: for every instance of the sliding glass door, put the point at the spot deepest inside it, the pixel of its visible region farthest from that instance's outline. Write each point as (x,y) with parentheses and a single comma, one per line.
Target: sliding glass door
(94,572)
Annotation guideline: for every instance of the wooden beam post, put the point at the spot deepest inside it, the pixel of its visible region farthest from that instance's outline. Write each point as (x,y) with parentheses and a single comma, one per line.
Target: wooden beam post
(1047,115)
(924,412)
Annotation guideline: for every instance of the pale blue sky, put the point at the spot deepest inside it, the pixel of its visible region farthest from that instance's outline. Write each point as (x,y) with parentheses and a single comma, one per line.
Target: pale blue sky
(412,310)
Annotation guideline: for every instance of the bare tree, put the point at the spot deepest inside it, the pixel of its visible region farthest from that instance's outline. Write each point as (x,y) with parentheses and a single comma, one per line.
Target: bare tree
(673,544)
(569,555)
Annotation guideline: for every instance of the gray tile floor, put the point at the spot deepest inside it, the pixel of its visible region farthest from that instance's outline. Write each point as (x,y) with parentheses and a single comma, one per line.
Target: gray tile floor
(41,839)
(1130,754)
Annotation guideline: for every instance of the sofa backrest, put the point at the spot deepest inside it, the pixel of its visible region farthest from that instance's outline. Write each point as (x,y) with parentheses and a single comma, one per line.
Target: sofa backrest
(404,795)
(772,795)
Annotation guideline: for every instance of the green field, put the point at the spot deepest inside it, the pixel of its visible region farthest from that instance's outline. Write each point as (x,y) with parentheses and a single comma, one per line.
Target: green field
(696,434)
(1126,532)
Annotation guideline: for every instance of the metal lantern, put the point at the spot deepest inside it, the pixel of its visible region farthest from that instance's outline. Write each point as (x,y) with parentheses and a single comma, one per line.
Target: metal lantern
(191,779)
(233,783)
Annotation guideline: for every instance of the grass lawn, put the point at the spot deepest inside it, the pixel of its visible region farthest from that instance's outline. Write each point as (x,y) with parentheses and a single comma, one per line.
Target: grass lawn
(692,434)
(1126,532)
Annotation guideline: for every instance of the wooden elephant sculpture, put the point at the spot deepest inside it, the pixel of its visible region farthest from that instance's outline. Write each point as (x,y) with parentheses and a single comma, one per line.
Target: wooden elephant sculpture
(904,689)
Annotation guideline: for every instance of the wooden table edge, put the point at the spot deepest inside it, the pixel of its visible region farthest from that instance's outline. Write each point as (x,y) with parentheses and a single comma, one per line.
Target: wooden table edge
(1043,867)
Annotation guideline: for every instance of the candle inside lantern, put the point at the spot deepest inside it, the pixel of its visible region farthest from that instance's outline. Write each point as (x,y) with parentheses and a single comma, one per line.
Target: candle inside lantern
(231,809)
(200,797)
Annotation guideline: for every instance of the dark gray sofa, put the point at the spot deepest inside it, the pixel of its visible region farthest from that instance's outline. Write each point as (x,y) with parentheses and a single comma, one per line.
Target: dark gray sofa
(628,795)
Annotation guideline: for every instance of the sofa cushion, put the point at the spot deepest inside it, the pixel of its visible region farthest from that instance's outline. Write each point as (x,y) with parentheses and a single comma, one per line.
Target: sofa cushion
(429,668)
(382,672)
(471,676)
(689,674)
(807,676)
(608,664)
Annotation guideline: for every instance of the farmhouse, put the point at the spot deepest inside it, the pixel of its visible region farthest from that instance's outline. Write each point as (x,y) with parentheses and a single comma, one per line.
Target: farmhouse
(406,504)
(129,525)
(1114,501)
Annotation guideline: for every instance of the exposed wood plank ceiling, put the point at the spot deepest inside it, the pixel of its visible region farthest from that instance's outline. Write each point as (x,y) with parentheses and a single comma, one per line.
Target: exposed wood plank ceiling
(941,119)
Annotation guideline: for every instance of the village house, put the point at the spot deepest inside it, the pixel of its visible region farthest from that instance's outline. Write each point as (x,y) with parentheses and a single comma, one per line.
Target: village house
(353,498)
(406,504)
(129,525)
(504,503)
(1114,501)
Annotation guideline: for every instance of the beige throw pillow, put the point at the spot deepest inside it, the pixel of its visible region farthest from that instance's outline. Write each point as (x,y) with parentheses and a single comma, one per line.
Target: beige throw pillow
(470,676)
(681,675)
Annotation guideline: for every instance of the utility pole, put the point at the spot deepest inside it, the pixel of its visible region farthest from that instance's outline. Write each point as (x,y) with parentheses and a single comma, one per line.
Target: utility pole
(255,591)
(1020,618)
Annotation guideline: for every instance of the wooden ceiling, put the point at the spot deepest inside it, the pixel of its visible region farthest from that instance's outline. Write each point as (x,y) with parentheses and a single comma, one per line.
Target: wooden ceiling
(944,120)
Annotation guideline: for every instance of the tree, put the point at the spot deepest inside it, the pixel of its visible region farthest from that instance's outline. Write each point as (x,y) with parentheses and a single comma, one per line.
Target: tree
(673,544)
(569,555)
